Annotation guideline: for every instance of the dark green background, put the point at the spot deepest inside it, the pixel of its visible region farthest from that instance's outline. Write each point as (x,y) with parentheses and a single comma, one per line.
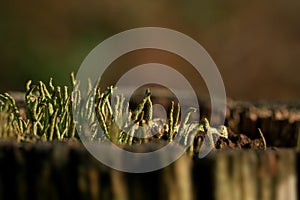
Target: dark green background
(255,44)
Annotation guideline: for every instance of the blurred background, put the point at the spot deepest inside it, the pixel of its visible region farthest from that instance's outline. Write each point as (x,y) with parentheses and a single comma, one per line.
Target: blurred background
(255,44)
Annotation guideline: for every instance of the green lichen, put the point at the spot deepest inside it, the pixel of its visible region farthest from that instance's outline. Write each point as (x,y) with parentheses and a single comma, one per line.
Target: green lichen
(49,116)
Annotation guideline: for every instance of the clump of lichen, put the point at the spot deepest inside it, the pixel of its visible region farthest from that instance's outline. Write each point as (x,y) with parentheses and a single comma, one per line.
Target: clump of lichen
(12,126)
(49,116)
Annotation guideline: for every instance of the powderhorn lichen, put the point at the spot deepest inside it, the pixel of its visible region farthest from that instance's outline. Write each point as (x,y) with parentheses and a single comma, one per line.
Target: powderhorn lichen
(49,116)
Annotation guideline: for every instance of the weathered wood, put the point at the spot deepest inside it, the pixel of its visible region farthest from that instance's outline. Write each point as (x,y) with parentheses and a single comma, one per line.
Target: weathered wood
(256,175)
(68,171)
(279,121)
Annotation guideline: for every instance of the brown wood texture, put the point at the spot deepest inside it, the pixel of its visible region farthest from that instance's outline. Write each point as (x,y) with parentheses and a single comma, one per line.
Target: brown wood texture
(68,171)
(279,121)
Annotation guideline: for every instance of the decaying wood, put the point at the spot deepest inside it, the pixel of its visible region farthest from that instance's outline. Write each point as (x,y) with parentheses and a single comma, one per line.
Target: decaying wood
(279,121)
(68,171)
